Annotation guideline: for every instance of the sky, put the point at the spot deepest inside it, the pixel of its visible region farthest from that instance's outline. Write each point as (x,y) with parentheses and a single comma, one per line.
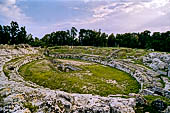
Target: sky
(111,16)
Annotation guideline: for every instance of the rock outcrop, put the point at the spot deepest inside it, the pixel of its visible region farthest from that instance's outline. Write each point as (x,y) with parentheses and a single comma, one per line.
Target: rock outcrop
(159,62)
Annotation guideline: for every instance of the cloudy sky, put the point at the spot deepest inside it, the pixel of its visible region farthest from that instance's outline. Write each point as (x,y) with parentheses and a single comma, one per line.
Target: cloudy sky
(111,16)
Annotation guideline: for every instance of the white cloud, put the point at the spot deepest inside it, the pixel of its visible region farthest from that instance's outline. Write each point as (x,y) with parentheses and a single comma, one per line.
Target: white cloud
(10,2)
(125,16)
(129,16)
(76,8)
(156,3)
(129,7)
(86,1)
(122,16)
(112,16)
(11,11)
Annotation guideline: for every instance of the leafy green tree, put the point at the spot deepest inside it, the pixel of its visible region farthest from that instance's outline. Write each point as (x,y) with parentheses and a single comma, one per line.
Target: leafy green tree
(111,40)
(14,35)
(46,40)
(81,36)
(1,34)
(29,39)
(14,29)
(119,40)
(148,39)
(166,41)
(6,35)
(97,38)
(21,36)
(103,40)
(37,42)
(133,41)
(156,41)
(73,34)
(69,38)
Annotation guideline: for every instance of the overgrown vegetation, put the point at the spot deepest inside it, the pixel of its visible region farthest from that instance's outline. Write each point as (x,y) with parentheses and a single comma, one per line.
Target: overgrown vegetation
(92,79)
(14,35)
(102,51)
(149,107)
(151,98)
(1,98)
(31,107)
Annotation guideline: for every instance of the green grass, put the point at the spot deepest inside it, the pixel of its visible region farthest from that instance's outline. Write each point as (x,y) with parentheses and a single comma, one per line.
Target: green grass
(5,67)
(31,107)
(12,63)
(45,74)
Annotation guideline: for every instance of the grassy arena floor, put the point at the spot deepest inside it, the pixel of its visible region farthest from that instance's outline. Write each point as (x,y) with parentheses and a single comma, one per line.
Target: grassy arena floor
(92,79)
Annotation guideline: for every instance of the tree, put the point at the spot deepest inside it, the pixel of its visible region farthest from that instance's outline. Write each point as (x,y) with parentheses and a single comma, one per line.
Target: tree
(46,40)
(13,34)
(133,43)
(148,39)
(21,36)
(103,40)
(1,34)
(6,35)
(145,40)
(73,34)
(97,37)
(30,40)
(111,40)
(14,29)
(119,40)
(166,41)
(69,38)
(157,41)
(37,42)
(81,36)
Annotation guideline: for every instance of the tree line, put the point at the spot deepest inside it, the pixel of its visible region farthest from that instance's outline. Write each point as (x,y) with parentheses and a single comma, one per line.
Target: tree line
(14,34)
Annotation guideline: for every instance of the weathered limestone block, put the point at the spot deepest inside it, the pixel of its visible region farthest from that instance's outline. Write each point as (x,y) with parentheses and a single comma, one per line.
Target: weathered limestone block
(157,61)
(167,109)
(169,70)
(162,72)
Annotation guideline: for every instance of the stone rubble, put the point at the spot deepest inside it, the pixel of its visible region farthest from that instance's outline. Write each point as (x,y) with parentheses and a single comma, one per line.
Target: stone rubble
(159,62)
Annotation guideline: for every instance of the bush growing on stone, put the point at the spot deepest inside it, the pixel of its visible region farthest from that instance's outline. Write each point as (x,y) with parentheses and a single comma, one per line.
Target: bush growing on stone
(31,107)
